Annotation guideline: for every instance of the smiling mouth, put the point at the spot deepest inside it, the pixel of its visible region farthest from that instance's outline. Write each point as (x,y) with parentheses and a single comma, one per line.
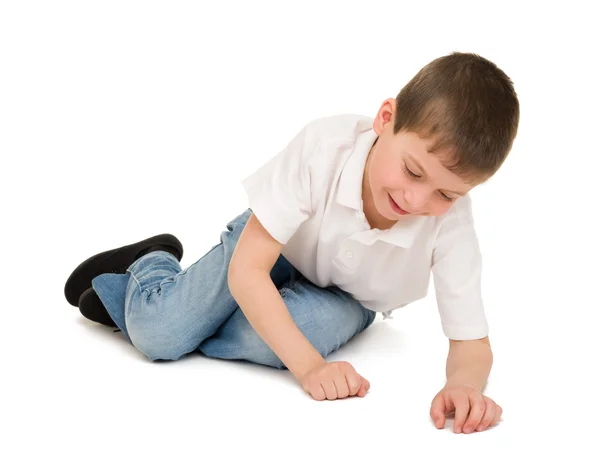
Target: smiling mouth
(397,208)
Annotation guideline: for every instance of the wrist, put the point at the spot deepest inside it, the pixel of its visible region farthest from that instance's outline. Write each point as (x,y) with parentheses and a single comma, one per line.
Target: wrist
(469,378)
(451,384)
(305,365)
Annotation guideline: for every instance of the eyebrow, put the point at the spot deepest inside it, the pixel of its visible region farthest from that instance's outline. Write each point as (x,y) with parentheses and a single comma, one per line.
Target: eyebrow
(416,162)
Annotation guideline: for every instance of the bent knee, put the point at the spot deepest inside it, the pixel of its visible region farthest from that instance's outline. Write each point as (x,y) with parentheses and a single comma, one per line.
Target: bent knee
(159,348)
(158,344)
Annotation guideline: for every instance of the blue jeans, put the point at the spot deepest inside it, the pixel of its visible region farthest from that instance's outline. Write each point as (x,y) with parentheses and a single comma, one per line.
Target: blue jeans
(167,312)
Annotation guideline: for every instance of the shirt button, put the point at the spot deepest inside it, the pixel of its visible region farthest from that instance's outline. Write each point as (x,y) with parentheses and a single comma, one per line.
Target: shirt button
(349,255)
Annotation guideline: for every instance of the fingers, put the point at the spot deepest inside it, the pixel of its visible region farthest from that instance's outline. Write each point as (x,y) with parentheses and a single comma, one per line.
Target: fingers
(350,384)
(473,411)
(354,382)
(317,392)
(488,417)
(364,387)
(438,411)
(492,415)
(476,413)
(329,389)
(341,386)
(461,405)
(334,380)
(498,415)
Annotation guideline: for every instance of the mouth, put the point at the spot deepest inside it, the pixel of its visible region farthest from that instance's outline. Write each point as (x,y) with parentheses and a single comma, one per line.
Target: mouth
(395,206)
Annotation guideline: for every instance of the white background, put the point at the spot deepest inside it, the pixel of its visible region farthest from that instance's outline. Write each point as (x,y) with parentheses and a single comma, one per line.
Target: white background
(125,119)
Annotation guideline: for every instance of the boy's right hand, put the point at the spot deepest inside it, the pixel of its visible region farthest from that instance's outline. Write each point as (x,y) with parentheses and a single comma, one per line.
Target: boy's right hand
(334,380)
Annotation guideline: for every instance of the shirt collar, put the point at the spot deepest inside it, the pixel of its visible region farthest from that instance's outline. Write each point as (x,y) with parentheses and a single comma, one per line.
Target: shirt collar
(349,191)
(404,231)
(349,194)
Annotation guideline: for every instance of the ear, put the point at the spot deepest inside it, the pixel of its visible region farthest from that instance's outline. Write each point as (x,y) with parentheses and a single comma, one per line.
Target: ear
(385,116)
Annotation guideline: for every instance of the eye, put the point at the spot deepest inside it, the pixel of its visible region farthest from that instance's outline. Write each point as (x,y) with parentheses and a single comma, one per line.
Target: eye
(445,197)
(410,173)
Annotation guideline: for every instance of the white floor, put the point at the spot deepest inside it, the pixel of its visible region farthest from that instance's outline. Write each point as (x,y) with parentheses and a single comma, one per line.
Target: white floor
(78,385)
(124,119)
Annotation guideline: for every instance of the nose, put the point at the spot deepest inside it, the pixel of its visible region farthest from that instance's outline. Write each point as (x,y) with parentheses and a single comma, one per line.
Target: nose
(416,200)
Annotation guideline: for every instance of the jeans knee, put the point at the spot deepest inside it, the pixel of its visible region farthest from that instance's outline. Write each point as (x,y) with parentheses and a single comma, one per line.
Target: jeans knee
(265,357)
(156,343)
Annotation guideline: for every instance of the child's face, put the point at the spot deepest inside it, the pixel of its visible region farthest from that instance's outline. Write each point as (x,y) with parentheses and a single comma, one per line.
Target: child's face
(388,173)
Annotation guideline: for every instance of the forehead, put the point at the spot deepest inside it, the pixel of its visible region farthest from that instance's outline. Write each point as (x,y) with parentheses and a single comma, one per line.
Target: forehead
(430,148)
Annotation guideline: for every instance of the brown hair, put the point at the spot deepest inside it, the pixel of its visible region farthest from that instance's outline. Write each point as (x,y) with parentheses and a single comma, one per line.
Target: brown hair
(469,106)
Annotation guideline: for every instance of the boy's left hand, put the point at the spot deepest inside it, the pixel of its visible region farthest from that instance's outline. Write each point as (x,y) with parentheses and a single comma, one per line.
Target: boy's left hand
(473,411)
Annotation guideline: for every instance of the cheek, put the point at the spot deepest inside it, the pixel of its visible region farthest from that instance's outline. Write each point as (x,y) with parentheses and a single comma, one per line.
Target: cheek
(439,208)
(390,177)
(386,171)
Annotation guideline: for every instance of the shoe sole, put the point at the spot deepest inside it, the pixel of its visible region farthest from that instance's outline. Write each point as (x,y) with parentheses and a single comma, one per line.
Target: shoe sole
(92,308)
(113,261)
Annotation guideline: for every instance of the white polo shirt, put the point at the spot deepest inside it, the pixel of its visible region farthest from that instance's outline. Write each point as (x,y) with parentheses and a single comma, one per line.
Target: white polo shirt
(309,198)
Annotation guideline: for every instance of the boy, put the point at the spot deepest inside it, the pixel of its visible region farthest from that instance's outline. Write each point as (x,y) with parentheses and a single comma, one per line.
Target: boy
(350,219)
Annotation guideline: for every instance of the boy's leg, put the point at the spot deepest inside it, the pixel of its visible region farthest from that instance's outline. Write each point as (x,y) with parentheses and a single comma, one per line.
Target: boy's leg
(166,312)
(328,317)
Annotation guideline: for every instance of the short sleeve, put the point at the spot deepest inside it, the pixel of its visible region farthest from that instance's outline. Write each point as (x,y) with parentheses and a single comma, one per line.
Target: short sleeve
(279,191)
(456,269)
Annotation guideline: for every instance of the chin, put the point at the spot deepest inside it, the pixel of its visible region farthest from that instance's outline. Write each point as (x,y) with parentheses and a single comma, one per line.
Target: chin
(390,215)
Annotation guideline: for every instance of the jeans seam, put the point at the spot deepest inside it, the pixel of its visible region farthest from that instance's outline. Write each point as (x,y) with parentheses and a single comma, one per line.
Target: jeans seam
(135,280)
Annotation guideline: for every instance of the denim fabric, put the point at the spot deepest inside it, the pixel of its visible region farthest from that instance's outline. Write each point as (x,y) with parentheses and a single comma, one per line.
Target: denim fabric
(167,312)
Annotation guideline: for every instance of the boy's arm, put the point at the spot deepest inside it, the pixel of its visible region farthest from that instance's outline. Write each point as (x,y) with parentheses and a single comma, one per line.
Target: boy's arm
(467,369)
(251,286)
(456,265)
(469,362)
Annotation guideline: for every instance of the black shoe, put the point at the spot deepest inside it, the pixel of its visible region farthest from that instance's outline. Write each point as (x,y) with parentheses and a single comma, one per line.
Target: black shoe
(116,261)
(92,308)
